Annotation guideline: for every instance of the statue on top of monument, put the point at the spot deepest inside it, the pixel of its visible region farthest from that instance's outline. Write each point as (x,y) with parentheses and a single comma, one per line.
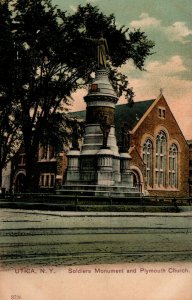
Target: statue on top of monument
(102,51)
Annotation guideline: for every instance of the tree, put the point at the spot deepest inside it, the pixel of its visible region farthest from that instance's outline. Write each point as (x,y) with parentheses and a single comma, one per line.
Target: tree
(50,57)
(59,131)
(10,136)
(10,133)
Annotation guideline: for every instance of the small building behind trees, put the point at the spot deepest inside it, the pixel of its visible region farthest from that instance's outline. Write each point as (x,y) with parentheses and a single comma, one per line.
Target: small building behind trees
(49,168)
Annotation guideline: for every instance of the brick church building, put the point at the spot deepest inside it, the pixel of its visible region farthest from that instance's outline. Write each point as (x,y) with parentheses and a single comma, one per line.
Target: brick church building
(159,151)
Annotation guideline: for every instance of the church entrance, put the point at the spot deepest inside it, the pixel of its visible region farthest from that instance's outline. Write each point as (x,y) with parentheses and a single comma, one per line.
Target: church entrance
(137,182)
(20,183)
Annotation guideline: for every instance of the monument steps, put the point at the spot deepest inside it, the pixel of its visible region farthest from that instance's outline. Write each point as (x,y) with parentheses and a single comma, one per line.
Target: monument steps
(99,190)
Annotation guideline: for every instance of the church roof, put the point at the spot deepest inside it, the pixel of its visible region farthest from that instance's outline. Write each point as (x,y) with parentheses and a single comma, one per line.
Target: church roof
(124,113)
(130,114)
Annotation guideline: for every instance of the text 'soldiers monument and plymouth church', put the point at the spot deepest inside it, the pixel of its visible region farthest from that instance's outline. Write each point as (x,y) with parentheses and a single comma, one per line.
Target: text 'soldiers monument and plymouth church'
(100,165)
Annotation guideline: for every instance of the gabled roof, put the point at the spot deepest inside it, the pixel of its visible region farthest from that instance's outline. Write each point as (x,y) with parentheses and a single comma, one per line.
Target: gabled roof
(130,114)
(124,113)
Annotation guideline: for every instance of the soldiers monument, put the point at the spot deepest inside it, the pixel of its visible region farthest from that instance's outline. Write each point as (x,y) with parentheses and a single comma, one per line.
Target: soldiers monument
(99,165)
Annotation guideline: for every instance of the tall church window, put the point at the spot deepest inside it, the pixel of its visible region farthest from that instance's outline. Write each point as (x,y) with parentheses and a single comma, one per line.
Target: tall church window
(47,152)
(160,168)
(173,166)
(148,160)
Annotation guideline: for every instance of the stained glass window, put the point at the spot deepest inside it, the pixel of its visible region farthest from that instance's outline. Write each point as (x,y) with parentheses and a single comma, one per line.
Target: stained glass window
(173,166)
(148,159)
(160,166)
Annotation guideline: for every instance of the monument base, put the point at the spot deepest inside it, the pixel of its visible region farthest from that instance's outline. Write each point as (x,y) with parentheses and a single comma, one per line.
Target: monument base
(104,174)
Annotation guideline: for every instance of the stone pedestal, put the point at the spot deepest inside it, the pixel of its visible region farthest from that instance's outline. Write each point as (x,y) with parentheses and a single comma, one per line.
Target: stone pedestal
(73,174)
(126,175)
(105,167)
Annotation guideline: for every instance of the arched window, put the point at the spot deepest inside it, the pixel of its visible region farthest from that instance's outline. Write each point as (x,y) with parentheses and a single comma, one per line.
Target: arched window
(173,166)
(160,167)
(148,160)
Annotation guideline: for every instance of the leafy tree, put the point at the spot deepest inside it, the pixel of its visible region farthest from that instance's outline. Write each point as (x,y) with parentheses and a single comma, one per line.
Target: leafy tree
(10,136)
(48,55)
(10,133)
(59,131)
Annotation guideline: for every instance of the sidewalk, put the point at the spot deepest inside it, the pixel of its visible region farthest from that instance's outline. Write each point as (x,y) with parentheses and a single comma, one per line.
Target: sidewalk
(101,214)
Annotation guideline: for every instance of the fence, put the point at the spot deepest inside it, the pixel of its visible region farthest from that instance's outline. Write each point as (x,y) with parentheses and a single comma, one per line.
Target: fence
(77,197)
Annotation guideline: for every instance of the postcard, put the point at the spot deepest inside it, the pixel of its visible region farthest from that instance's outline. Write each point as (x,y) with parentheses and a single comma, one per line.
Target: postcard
(96,150)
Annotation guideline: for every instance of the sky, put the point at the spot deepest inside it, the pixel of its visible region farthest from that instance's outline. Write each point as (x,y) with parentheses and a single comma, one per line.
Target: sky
(168,23)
